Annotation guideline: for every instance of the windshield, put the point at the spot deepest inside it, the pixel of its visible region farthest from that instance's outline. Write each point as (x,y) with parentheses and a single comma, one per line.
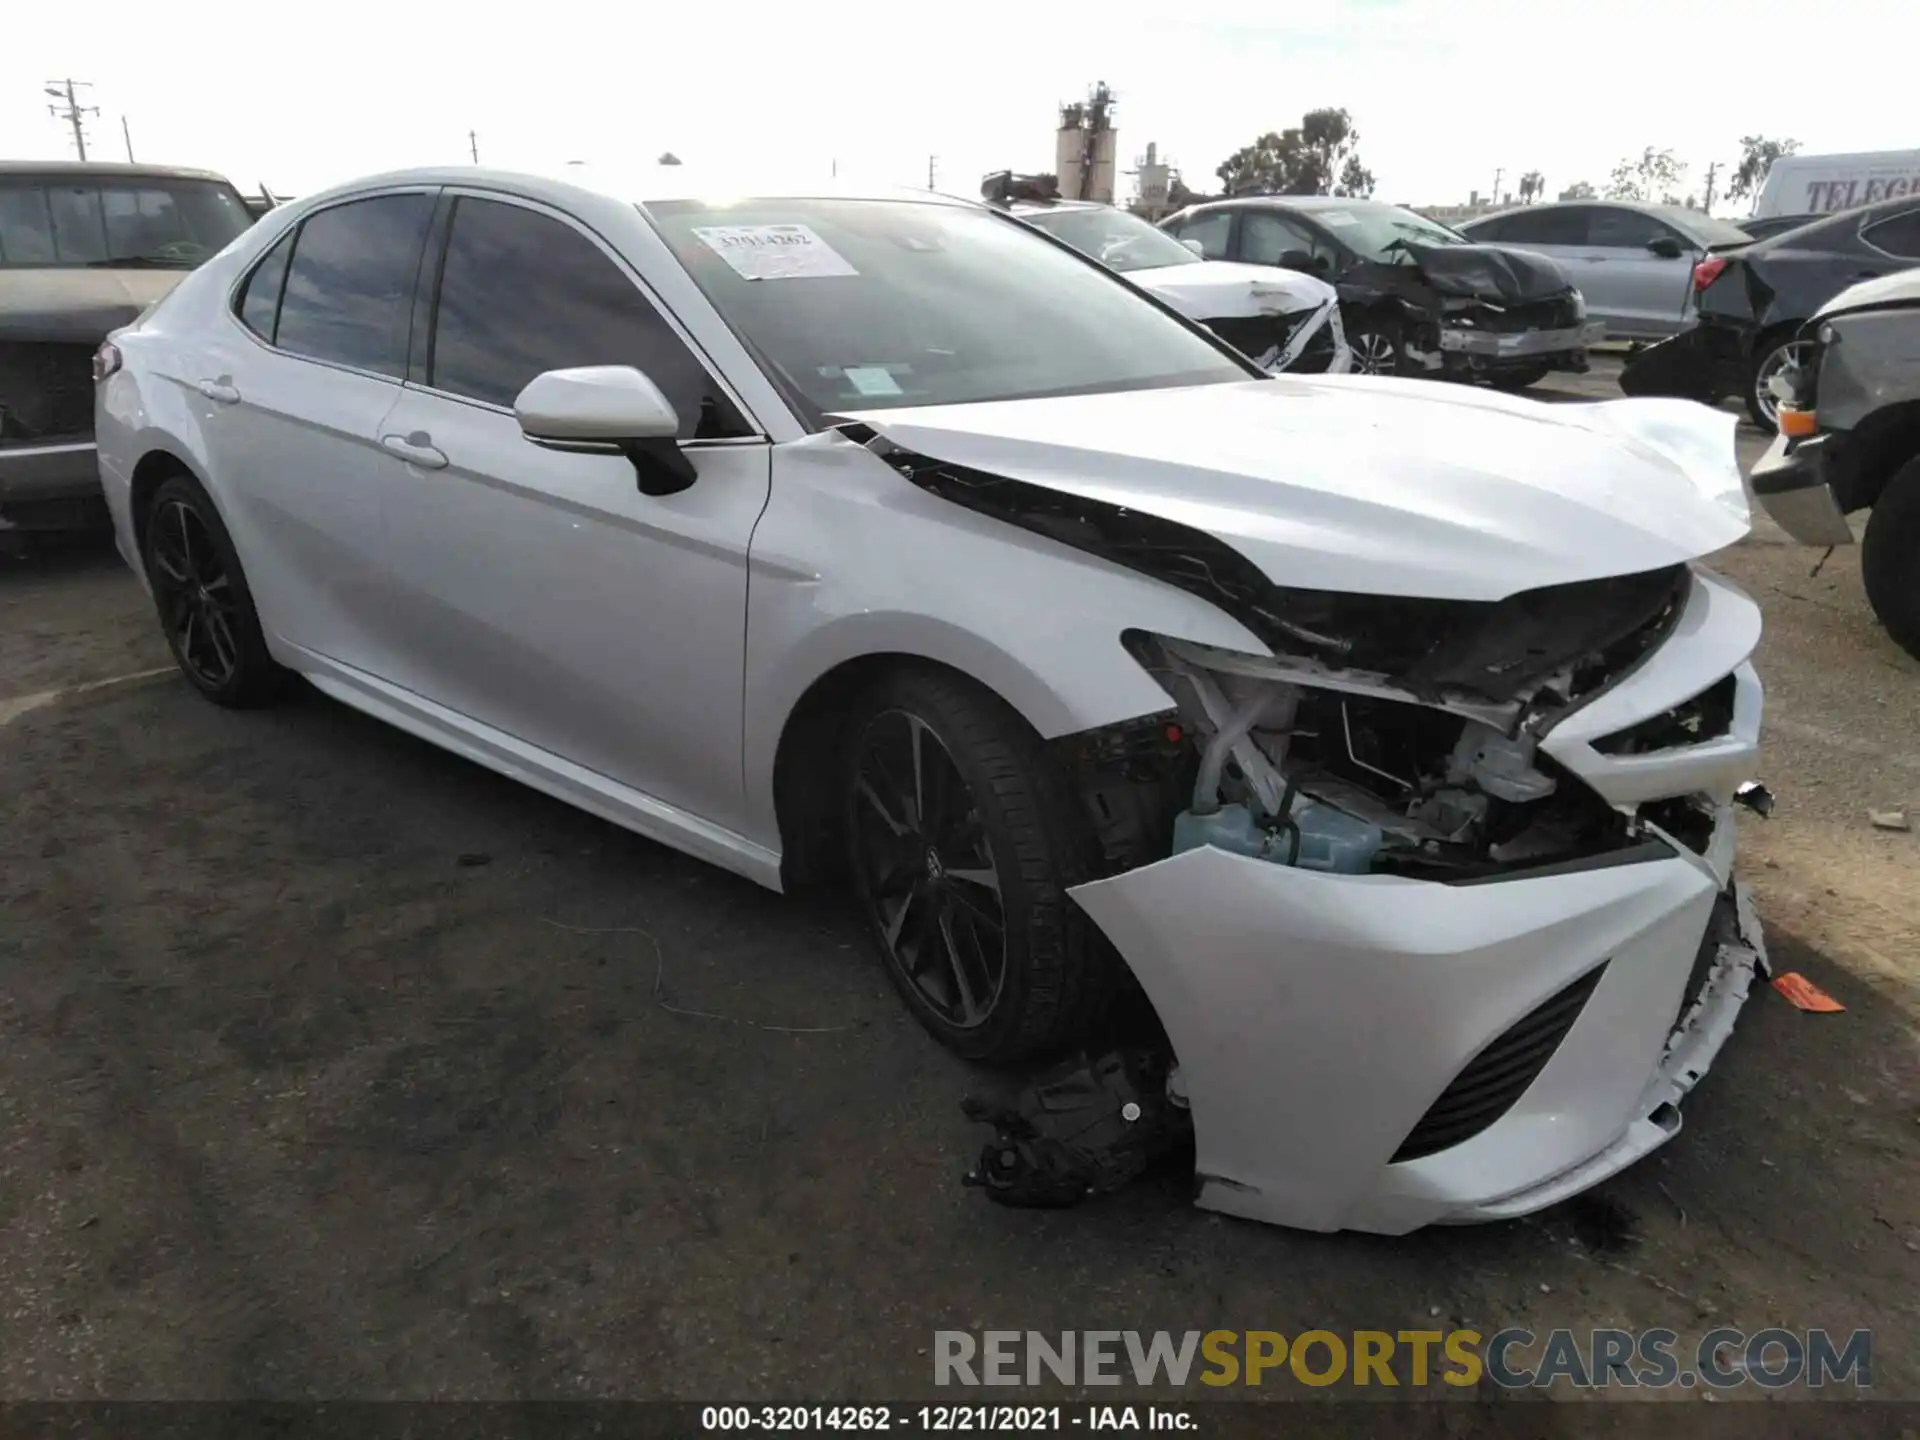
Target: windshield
(1379,232)
(877,304)
(83,220)
(1113,237)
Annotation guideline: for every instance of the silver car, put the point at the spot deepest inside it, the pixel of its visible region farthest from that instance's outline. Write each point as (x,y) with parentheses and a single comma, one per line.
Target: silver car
(1633,263)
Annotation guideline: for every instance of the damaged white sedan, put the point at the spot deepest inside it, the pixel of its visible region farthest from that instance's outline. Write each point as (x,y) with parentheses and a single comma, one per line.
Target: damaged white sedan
(1384,738)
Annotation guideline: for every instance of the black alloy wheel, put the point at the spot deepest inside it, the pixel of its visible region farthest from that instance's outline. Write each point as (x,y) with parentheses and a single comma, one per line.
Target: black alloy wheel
(206,609)
(927,870)
(963,836)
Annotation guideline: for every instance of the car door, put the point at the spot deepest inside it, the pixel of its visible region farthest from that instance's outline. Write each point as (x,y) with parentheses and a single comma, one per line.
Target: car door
(290,397)
(539,593)
(1273,237)
(1647,267)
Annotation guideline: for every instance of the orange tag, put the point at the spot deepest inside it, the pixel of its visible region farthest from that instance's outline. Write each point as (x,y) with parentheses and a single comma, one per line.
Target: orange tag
(1803,994)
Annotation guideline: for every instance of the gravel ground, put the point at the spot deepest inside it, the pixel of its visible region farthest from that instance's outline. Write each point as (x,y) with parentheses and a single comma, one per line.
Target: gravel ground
(337,1067)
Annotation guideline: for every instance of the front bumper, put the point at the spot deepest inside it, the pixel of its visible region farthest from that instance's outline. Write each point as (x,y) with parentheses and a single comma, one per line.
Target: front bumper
(1321,1021)
(1793,485)
(1521,344)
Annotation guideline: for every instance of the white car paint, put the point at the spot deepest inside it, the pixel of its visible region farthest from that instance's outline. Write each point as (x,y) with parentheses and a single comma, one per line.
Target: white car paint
(641,657)
(1226,290)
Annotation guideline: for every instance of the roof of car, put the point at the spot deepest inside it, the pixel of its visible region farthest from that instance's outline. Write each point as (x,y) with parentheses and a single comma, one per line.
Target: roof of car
(644,184)
(104,169)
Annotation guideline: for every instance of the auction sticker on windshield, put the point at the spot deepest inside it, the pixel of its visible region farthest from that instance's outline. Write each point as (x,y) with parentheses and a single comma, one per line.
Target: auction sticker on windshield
(773,252)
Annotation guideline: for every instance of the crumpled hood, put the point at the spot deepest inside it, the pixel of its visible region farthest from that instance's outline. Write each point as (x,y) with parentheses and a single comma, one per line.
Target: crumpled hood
(1491,272)
(77,306)
(1223,290)
(1374,486)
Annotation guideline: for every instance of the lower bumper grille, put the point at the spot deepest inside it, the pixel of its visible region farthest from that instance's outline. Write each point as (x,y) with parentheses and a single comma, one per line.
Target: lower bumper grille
(1500,1074)
(46,391)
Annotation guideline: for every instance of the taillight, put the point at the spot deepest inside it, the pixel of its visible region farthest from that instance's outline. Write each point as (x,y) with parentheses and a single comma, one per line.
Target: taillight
(106,361)
(1708,271)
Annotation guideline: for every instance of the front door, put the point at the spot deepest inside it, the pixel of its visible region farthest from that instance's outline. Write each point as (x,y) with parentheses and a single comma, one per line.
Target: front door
(540,593)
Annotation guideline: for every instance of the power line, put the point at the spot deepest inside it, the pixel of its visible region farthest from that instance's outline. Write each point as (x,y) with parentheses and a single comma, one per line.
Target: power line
(73,111)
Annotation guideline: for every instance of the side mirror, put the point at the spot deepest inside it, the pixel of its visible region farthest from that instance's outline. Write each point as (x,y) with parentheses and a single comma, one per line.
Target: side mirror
(1666,247)
(1296,260)
(607,410)
(1196,247)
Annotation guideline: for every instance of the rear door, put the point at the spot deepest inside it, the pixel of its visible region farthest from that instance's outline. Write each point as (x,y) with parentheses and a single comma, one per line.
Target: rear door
(291,397)
(541,593)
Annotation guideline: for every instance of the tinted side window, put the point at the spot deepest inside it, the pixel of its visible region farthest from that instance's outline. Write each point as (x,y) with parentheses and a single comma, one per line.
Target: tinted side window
(1500,227)
(349,291)
(1210,230)
(1627,230)
(1897,235)
(1265,237)
(1546,227)
(521,293)
(260,297)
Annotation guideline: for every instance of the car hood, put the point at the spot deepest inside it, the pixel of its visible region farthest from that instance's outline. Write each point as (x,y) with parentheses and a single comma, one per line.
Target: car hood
(77,306)
(1900,288)
(1375,486)
(1223,290)
(1491,272)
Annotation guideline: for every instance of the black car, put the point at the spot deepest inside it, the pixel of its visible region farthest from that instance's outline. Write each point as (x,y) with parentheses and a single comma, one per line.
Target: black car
(1416,297)
(1752,300)
(1777,224)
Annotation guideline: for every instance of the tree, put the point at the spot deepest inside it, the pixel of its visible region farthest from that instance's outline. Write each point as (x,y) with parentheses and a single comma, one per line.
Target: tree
(1579,190)
(1356,179)
(1532,185)
(1757,155)
(669,158)
(1305,159)
(1655,172)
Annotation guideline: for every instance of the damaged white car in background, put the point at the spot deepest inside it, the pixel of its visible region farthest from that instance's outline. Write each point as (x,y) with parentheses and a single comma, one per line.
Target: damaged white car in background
(1352,761)
(1281,320)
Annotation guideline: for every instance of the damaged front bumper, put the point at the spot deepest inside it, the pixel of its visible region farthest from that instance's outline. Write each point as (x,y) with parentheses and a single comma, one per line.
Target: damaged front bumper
(1379,1052)
(1519,345)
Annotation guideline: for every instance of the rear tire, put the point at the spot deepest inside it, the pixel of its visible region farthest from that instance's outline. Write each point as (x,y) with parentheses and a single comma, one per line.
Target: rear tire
(1768,355)
(206,610)
(962,865)
(1890,557)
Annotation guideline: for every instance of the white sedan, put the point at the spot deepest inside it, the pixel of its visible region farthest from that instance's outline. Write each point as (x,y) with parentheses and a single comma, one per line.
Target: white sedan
(1387,735)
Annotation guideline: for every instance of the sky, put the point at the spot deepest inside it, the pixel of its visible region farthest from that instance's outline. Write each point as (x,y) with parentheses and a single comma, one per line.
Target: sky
(1442,92)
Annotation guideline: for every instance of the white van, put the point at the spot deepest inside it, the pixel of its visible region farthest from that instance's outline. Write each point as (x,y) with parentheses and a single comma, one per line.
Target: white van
(1819,184)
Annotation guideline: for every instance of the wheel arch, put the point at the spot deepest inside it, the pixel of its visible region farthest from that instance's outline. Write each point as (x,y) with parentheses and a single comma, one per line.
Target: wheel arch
(153,469)
(795,771)
(1878,448)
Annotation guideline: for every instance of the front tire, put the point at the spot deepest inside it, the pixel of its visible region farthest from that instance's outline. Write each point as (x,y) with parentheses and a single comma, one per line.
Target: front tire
(206,610)
(1890,557)
(962,843)
(1374,341)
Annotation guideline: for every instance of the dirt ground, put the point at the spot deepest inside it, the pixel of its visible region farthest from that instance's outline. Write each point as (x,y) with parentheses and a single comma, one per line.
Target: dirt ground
(337,1067)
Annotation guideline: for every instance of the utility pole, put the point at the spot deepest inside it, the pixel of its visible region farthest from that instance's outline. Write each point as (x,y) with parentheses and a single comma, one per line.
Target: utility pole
(1713,172)
(1496,184)
(473,146)
(930,160)
(127,135)
(73,111)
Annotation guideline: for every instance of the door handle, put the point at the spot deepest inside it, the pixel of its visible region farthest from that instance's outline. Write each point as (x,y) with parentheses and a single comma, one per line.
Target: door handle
(416,449)
(220,391)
